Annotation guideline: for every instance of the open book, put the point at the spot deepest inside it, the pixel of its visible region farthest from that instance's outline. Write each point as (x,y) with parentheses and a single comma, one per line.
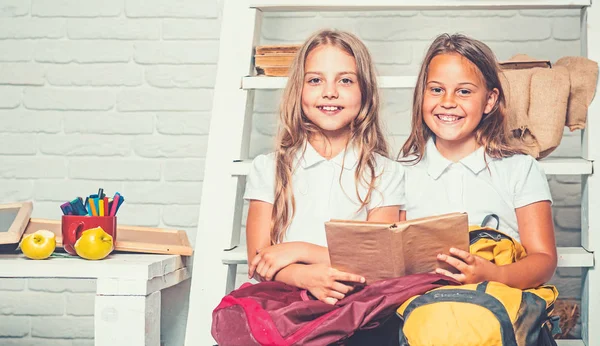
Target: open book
(380,251)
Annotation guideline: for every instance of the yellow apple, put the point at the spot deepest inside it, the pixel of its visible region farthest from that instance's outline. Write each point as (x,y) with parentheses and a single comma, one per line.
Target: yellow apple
(38,245)
(94,244)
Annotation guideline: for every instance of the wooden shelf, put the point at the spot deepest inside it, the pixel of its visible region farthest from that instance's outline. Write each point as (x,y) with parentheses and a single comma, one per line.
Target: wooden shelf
(240,168)
(551,165)
(374,5)
(566,166)
(575,257)
(570,342)
(235,256)
(568,257)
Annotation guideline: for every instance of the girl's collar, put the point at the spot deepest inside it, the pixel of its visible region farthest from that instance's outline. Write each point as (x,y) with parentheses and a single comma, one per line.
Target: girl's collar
(437,164)
(309,156)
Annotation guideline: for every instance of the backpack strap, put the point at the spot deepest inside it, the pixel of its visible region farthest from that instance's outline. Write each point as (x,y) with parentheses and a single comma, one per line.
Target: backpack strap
(482,287)
(487,219)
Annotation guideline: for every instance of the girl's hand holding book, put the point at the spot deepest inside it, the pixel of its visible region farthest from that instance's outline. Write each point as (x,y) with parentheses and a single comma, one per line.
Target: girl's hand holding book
(473,268)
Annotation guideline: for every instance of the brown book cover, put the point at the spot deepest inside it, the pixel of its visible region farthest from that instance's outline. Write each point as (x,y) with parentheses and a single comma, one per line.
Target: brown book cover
(380,251)
(523,61)
(273,71)
(274,59)
(280,48)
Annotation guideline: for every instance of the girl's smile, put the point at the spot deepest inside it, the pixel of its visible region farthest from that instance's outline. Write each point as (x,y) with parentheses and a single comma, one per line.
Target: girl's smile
(449,118)
(330,109)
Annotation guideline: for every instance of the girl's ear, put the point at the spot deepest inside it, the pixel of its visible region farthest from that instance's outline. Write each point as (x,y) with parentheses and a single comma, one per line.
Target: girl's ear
(491,101)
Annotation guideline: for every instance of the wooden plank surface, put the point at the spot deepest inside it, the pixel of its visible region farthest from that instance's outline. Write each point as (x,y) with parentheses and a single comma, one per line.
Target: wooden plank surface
(375,5)
(590,201)
(127,320)
(117,265)
(124,286)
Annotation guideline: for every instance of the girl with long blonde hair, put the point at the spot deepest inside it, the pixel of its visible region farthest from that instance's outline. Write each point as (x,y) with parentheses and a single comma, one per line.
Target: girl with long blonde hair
(458,158)
(329,163)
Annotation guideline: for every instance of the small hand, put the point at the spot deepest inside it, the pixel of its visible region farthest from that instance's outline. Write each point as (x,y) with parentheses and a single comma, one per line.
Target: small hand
(473,269)
(323,282)
(270,260)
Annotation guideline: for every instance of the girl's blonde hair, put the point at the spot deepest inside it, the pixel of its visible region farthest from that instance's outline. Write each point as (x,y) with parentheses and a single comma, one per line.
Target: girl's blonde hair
(491,131)
(295,129)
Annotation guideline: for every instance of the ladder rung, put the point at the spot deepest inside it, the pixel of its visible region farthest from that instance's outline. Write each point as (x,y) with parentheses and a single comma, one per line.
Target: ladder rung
(570,342)
(240,168)
(551,165)
(373,5)
(385,82)
(576,257)
(566,166)
(236,256)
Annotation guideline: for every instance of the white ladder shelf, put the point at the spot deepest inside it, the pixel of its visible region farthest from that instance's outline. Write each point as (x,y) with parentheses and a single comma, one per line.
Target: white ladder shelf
(227,163)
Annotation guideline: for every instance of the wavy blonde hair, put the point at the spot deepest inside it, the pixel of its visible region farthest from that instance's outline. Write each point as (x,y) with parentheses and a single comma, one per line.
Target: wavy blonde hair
(295,129)
(491,132)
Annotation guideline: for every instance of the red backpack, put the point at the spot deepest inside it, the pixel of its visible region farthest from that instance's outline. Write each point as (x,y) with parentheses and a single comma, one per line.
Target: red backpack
(276,314)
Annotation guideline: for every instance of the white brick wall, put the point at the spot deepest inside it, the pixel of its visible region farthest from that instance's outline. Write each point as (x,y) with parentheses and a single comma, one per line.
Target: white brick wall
(118,93)
(47,312)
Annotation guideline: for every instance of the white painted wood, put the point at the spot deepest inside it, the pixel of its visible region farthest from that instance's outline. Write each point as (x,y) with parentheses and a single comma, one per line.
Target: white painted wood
(127,320)
(263,82)
(566,166)
(590,206)
(551,165)
(567,257)
(362,5)
(576,257)
(235,256)
(228,139)
(120,266)
(127,304)
(240,168)
(125,287)
(575,342)
(385,82)
(161,282)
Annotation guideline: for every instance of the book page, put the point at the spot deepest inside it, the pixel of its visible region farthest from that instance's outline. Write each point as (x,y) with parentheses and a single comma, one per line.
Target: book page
(361,248)
(423,241)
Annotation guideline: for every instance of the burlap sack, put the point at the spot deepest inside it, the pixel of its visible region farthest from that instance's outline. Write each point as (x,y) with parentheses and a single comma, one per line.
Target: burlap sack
(583,76)
(516,89)
(541,101)
(548,95)
(515,84)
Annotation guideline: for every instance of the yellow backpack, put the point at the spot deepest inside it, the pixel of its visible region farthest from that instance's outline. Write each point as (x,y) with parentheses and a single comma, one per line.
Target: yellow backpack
(488,313)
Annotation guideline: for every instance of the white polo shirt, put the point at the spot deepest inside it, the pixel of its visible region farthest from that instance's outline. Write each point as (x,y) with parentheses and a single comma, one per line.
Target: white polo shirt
(436,186)
(319,192)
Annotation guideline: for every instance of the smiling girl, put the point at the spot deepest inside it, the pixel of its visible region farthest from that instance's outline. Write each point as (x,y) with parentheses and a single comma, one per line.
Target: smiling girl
(458,159)
(330,163)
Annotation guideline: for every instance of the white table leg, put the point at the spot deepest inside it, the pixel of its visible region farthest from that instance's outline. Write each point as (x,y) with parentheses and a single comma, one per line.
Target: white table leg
(131,320)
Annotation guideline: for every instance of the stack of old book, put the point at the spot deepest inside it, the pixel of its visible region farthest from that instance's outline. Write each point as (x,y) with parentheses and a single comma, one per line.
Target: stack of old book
(274,60)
